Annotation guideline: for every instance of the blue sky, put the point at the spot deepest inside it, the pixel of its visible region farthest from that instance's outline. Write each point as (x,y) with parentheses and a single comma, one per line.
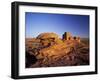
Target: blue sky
(37,23)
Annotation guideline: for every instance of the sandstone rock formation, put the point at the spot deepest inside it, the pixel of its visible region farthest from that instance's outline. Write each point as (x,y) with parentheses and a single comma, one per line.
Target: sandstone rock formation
(49,50)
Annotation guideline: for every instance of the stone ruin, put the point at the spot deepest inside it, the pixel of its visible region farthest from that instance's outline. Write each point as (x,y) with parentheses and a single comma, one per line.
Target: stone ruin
(68,36)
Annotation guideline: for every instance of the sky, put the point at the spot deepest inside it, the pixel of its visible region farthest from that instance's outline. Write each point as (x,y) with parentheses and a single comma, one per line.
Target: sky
(36,23)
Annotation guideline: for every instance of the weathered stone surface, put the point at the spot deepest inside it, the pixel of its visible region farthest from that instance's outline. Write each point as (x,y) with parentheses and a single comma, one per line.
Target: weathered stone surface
(47,35)
(50,50)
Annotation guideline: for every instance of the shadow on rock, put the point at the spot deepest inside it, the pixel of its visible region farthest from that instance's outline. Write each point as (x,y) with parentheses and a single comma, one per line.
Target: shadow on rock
(30,59)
